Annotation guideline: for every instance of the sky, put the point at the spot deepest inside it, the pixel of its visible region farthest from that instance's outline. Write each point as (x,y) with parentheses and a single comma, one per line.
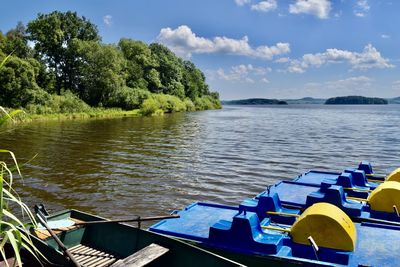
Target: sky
(256,49)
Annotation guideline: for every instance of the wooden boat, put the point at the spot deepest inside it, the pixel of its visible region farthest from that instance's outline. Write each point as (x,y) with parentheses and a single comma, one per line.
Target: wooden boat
(114,244)
(322,236)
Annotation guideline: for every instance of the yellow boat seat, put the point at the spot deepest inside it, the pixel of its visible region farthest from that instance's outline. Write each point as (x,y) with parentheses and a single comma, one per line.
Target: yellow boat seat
(328,225)
(385,196)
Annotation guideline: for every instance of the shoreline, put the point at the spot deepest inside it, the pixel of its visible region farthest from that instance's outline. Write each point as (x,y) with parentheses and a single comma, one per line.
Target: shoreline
(24,117)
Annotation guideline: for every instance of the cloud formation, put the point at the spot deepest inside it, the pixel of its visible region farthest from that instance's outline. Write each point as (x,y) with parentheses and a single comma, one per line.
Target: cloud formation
(107,19)
(369,58)
(361,9)
(241,73)
(242,2)
(184,43)
(265,6)
(318,8)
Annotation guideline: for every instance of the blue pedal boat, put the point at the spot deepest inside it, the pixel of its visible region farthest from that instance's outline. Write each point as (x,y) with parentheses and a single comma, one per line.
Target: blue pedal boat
(356,181)
(350,190)
(380,205)
(322,236)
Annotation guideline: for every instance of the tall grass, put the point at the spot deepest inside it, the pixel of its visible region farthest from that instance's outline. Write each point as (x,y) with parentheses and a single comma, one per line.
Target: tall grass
(13,232)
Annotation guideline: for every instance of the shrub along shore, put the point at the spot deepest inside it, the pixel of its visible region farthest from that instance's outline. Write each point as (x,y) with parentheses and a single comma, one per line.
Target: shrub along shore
(57,67)
(155,105)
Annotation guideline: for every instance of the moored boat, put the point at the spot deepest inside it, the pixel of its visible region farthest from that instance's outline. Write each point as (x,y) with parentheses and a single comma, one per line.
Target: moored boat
(94,243)
(323,235)
(349,190)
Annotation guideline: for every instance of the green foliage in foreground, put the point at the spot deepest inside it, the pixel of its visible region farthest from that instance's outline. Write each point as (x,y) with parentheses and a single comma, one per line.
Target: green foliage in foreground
(13,231)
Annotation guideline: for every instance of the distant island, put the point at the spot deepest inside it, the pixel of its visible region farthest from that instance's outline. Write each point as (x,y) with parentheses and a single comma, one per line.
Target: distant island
(305,100)
(356,100)
(395,100)
(254,101)
(341,100)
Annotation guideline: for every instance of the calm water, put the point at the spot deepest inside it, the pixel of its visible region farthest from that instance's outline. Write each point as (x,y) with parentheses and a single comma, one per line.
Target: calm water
(151,166)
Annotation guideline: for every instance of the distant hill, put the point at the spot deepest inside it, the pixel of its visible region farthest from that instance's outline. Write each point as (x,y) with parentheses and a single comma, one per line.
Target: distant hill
(395,100)
(356,100)
(305,100)
(254,101)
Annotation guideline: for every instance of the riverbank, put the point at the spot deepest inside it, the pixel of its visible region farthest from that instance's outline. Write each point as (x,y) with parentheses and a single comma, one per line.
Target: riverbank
(23,117)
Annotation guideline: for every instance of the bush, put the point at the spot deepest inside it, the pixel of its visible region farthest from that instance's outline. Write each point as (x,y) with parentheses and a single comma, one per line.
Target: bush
(165,103)
(207,102)
(128,98)
(65,103)
(149,106)
(189,105)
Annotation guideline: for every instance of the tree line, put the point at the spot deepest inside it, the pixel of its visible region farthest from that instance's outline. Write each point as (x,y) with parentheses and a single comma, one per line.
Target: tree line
(59,64)
(356,100)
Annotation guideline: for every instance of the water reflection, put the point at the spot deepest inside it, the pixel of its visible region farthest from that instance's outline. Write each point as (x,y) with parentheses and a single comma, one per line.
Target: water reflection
(147,166)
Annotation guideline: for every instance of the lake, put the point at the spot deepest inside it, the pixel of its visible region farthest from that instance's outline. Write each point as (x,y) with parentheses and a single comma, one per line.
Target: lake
(153,165)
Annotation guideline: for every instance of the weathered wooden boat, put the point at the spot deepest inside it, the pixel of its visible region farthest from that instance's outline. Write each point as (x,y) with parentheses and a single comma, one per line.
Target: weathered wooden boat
(94,241)
(322,235)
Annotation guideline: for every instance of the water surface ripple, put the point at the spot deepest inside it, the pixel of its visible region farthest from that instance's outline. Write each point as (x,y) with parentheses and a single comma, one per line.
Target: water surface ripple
(150,166)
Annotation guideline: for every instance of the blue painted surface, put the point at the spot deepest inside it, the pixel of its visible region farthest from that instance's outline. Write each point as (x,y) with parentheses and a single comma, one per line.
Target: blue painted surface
(222,227)
(302,195)
(195,220)
(317,177)
(376,246)
(293,194)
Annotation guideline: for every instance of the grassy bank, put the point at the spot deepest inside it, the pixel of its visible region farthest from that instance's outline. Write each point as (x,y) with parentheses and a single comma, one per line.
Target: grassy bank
(92,113)
(155,105)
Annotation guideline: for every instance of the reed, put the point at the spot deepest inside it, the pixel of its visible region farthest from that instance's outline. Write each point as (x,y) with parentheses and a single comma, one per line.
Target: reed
(13,232)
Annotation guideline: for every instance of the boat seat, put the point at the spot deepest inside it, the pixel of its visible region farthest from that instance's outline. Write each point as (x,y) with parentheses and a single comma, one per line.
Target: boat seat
(366,167)
(335,195)
(359,178)
(268,202)
(347,180)
(244,234)
(91,257)
(142,257)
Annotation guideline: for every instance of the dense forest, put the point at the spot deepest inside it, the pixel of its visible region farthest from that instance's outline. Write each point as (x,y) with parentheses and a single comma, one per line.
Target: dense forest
(356,100)
(57,64)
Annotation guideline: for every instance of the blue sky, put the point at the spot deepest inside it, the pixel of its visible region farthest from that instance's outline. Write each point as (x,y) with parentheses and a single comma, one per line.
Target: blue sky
(252,48)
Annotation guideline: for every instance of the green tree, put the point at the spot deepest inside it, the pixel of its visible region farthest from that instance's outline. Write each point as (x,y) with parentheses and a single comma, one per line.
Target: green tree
(53,34)
(18,85)
(101,72)
(16,42)
(141,64)
(194,81)
(170,69)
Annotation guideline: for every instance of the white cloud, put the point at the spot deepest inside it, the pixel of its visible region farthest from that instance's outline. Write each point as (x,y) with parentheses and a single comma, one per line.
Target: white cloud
(318,8)
(107,19)
(385,36)
(282,60)
(184,43)
(242,2)
(349,86)
(265,6)
(369,58)
(264,80)
(361,8)
(240,73)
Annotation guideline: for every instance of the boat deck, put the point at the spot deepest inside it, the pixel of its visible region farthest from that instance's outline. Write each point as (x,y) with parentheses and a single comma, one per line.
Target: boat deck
(294,194)
(194,223)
